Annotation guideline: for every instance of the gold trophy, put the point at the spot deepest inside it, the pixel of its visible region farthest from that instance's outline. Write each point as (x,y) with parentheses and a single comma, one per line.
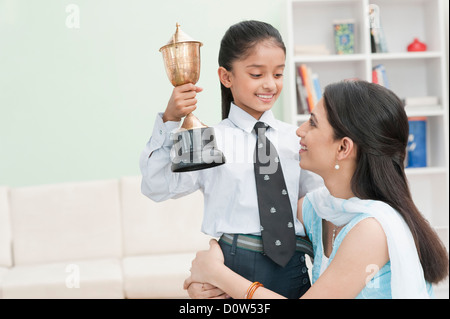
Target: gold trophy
(194,143)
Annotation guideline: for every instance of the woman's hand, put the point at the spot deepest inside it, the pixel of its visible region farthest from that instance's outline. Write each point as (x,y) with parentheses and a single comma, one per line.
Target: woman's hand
(198,290)
(206,264)
(208,267)
(182,102)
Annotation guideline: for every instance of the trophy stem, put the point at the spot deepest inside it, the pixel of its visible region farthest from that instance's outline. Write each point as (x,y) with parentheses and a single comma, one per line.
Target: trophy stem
(191,121)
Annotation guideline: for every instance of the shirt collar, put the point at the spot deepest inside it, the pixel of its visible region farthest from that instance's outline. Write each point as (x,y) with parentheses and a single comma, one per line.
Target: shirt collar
(246,122)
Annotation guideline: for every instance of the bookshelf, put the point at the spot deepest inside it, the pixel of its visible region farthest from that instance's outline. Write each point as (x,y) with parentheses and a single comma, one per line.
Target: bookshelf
(309,24)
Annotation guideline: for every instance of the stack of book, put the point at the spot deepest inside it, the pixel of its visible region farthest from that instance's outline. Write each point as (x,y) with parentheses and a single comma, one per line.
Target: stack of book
(415,101)
(309,91)
(377,38)
(379,75)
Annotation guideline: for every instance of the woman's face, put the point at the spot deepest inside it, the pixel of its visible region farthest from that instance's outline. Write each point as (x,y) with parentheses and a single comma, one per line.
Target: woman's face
(256,81)
(318,149)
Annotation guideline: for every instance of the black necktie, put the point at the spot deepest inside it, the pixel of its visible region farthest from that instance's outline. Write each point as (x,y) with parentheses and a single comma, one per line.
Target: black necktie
(275,211)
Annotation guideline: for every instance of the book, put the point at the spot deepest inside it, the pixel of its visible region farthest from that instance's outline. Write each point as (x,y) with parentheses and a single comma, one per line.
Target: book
(421,101)
(317,87)
(375,76)
(309,90)
(302,103)
(379,75)
(311,84)
(303,71)
(344,36)
(417,142)
(377,38)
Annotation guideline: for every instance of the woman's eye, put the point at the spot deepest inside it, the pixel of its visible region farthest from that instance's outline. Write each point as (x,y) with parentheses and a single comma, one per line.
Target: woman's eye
(311,122)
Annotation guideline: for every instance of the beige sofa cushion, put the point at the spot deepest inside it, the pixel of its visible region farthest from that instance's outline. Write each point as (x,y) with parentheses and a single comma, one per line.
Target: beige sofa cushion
(62,222)
(157,276)
(74,279)
(3,272)
(172,226)
(5,229)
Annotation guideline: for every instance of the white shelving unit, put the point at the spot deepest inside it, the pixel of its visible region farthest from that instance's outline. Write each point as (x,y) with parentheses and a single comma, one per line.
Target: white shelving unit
(410,74)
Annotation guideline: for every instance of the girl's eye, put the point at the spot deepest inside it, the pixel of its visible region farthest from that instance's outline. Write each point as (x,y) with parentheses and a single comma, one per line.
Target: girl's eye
(255,75)
(279,75)
(311,122)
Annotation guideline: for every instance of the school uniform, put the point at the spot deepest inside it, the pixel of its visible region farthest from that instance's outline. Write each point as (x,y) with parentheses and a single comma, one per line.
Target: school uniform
(230,197)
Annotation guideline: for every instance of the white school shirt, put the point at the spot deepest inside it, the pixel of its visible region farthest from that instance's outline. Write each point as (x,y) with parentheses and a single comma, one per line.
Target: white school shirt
(230,200)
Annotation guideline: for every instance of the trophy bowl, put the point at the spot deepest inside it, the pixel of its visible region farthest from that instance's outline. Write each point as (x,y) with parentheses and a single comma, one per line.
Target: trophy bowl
(194,143)
(182,62)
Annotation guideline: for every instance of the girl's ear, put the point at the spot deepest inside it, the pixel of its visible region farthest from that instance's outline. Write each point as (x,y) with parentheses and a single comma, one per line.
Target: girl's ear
(224,77)
(346,148)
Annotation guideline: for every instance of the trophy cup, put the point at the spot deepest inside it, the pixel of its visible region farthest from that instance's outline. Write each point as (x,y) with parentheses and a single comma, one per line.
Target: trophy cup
(194,143)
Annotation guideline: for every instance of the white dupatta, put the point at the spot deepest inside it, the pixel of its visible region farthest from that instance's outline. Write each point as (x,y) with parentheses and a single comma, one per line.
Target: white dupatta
(407,278)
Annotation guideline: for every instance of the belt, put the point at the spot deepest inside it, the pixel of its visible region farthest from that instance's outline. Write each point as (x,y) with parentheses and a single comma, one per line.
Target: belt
(254,243)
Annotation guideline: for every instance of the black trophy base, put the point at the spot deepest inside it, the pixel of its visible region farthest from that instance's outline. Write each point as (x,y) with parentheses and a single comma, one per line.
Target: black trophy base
(196,164)
(195,149)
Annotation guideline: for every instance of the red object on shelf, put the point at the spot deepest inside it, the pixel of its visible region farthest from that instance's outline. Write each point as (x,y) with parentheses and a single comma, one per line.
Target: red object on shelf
(416,45)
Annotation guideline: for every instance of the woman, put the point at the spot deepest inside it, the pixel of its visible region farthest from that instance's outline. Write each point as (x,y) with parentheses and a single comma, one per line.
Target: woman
(370,240)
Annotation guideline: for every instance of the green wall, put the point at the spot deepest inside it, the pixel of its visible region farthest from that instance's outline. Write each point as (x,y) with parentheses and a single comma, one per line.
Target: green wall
(79,103)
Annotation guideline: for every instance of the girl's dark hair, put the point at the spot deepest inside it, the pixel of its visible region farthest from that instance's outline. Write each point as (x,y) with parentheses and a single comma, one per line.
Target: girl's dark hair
(375,119)
(237,43)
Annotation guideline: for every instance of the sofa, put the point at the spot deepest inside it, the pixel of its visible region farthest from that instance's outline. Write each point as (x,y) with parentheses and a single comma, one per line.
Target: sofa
(99,239)
(96,239)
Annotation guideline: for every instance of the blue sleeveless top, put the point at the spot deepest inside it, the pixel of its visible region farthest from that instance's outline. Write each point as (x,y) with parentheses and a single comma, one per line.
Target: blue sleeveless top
(379,287)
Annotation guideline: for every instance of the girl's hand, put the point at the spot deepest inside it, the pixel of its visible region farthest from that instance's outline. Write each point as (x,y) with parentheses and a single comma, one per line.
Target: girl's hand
(182,102)
(206,264)
(198,290)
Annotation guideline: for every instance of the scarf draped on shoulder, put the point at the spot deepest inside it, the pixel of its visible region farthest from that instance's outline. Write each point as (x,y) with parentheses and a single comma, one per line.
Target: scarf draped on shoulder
(407,278)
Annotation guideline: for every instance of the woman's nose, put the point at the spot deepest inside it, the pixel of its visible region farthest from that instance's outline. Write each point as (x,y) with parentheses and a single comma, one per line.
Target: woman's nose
(301,131)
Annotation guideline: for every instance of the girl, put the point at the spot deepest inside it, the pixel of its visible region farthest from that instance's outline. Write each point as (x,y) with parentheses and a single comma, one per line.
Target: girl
(251,65)
(370,240)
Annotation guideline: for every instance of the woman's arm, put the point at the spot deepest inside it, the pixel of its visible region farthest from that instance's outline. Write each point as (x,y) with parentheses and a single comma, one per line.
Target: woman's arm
(362,253)
(299,209)
(208,266)
(363,250)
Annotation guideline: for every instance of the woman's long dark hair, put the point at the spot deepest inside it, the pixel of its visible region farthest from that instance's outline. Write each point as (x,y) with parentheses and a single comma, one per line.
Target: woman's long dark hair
(375,119)
(237,43)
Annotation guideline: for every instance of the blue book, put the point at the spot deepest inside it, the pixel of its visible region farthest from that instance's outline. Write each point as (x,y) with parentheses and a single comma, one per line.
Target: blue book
(417,142)
(316,85)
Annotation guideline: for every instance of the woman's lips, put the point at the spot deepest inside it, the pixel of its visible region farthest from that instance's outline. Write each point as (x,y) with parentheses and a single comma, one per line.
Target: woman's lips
(303,148)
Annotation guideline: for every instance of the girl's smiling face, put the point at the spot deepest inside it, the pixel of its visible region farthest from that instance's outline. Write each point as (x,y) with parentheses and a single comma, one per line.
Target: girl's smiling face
(256,81)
